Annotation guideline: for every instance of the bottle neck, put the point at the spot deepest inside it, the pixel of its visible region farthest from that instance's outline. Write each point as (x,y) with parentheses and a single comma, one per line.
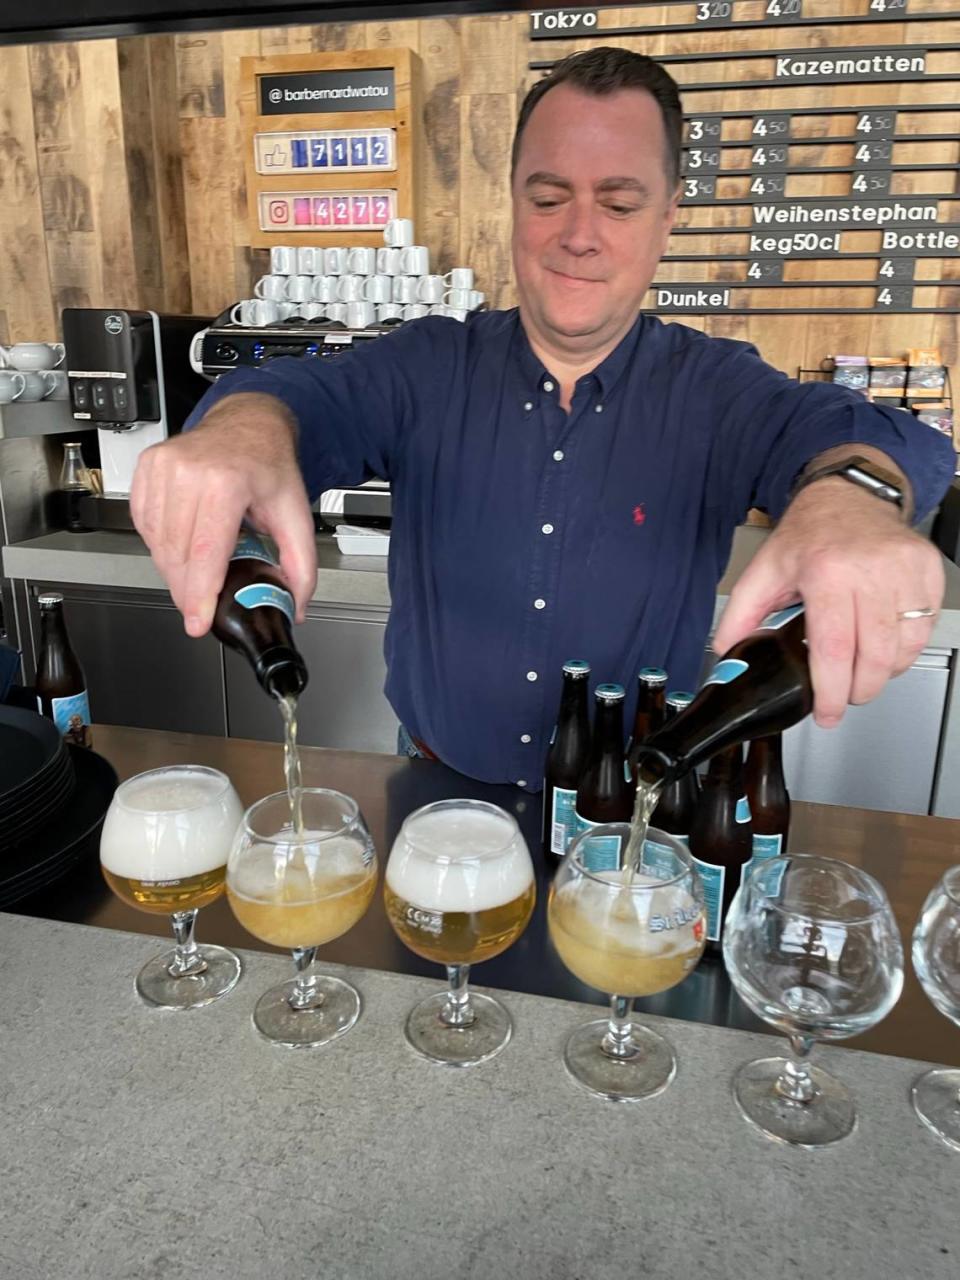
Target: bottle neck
(573,699)
(52,627)
(608,731)
(726,768)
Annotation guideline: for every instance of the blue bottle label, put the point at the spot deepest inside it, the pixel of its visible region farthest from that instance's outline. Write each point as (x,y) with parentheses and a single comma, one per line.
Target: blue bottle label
(659,859)
(250,546)
(774,621)
(726,670)
(601,853)
(713,878)
(72,717)
(767,847)
(261,594)
(742,813)
(563,820)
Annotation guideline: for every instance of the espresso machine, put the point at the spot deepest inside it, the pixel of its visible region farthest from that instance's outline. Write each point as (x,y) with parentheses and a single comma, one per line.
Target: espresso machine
(130,377)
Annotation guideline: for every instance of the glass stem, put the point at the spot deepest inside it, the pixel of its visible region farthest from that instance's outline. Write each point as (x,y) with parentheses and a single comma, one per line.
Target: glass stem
(617,1043)
(187,961)
(305,994)
(458,1011)
(794,1083)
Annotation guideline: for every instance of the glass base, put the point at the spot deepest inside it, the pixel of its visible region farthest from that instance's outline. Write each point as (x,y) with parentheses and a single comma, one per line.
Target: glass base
(936,1100)
(335,1009)
(464,1046)
(829,1116)
(157,986)
(644,1074)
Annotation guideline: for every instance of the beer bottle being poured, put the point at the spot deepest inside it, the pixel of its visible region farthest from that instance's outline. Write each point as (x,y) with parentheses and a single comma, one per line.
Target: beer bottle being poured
(255,614)
(566,760)
(762,686)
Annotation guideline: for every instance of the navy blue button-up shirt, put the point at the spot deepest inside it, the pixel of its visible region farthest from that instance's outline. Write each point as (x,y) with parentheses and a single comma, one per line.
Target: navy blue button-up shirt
(524,535)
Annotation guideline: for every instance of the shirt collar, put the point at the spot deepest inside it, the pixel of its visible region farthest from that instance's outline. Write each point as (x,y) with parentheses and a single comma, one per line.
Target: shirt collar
(607,373)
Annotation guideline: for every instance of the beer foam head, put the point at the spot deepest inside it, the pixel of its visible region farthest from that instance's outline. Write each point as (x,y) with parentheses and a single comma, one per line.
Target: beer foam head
(469,859)
(300,872)
(170,824)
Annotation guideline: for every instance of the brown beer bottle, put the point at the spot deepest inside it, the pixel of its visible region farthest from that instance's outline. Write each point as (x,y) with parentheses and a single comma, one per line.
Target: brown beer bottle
(605,793)
(61,684)
(566,760)
(651,686)
(768,796)
(255,614)
(679,799)
(721,836)
(762,686)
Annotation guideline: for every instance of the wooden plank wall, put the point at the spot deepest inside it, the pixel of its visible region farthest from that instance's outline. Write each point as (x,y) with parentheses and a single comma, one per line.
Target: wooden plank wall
(121,171)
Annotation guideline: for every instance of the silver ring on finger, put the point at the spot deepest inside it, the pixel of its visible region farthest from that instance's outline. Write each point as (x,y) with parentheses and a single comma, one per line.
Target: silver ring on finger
(907,615)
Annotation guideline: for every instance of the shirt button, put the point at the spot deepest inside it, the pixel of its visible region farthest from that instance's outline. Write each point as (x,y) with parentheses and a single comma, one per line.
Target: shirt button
(598,408)
(525,737)
(539,604)
(558,455)
(521,782)
(548,385)
(546,528)
(528,405)
(531,676)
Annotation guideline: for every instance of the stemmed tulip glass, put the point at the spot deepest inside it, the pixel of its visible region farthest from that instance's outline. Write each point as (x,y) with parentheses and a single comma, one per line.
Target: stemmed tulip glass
(299,889)
(626,934)
(163,849)
(936,959)
(812,947)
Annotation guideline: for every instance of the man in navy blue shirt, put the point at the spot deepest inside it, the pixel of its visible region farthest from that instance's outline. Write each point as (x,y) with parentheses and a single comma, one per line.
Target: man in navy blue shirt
(567,477)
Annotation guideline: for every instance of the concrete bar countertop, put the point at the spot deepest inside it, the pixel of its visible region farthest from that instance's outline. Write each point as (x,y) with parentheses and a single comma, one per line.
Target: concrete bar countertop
(121,560)
(155,1145)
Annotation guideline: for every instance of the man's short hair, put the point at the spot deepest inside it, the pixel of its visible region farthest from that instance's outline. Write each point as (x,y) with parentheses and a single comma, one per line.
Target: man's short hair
(605,70)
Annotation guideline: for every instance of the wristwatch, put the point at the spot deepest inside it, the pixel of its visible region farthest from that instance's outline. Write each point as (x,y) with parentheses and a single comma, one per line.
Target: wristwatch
(876,480)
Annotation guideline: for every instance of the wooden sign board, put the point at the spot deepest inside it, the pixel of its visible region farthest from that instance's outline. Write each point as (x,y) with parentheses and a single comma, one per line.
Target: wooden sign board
(331,145)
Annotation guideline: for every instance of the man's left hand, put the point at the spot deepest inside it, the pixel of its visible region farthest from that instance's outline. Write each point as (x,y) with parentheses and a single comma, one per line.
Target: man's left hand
(857,568)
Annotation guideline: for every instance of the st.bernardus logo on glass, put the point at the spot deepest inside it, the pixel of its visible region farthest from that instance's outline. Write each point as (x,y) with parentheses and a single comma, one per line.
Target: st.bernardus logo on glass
(314,92)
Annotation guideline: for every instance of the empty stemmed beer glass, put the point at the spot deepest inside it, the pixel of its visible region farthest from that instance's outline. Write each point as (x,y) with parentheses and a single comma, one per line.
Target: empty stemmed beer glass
(811,947)
(163,849)
(459,888)
(627,933)
(299,889)
(936,959)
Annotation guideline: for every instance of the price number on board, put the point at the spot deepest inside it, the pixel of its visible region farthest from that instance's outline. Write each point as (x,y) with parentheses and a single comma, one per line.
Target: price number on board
(704,128)
(871,183)
(695,189)
(702,159)
(869,155)
(769,158)
(714,13)
(771,128)
(769,271)
(765,186)
(894,297)
(897,268)
(887,8)
(876,124)
(781,10)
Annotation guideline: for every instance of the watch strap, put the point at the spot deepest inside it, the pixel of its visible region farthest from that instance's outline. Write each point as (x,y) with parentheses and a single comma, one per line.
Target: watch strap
(866,475)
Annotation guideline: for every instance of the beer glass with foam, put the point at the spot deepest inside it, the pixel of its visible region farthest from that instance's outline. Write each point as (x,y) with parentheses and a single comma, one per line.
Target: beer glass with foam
(163,849)
(627,932)
(299,887)
(459,888)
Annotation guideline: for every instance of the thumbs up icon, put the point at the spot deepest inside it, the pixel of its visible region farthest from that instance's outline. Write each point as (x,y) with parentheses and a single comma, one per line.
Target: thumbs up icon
(275,159)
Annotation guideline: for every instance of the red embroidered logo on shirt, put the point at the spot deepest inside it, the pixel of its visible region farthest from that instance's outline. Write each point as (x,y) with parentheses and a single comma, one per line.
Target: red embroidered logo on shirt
(639,514)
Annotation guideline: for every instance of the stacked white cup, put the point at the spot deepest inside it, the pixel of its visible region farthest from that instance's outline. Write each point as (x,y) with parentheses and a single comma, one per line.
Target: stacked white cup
(358,286)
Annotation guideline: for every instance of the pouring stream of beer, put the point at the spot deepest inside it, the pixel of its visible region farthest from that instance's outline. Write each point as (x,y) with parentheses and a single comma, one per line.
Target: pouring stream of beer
(291,763)
(647,796)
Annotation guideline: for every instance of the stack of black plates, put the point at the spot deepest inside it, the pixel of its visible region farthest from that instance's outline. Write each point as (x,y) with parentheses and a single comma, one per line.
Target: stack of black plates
(52,801)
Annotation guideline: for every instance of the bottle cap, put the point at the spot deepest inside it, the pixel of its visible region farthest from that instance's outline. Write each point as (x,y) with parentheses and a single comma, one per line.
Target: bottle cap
(49,599)
(576,667)
(653,676)
(609,693)
(678,699)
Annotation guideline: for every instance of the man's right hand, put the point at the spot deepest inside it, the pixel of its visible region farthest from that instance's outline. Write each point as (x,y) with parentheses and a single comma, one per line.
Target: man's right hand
(191,493)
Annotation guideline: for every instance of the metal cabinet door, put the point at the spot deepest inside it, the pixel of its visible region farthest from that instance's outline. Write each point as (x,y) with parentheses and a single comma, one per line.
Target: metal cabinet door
(882,755)
(343,705)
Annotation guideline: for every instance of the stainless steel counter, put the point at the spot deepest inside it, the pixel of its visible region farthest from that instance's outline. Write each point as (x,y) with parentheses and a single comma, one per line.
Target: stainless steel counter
(149,1145)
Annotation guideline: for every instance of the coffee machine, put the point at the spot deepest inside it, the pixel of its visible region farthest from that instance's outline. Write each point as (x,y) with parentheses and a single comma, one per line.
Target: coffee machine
(130,376)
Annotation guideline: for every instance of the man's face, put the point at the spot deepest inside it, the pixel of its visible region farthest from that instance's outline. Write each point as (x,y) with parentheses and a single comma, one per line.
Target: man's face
(592,212)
